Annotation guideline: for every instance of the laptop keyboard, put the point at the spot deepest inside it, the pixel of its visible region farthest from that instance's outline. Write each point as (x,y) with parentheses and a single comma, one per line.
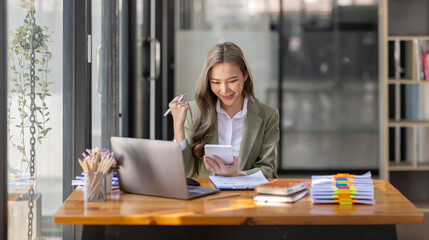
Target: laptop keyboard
(195,191)
(192,189)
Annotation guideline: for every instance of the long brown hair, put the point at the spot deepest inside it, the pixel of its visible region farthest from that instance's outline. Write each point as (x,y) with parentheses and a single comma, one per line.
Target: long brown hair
(205,119)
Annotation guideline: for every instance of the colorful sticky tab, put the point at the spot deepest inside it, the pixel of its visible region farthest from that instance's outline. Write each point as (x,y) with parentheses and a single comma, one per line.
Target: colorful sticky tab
(344,189)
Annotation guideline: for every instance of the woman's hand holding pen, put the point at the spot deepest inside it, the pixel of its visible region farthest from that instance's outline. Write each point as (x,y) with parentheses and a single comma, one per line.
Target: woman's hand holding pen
(179,109)
(217,166)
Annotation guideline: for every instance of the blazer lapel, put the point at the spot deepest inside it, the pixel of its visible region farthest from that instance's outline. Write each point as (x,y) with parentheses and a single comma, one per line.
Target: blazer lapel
(252,125)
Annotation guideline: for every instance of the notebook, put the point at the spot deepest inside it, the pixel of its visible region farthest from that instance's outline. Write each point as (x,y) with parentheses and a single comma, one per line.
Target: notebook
(248,182)
(268,198)
(153,167)
(282,187)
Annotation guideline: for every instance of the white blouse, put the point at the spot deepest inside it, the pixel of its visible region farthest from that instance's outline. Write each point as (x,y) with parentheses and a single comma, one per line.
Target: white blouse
(230,130)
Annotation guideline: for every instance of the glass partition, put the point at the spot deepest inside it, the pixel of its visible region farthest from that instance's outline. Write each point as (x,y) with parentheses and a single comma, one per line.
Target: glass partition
(37,27)
(330,85)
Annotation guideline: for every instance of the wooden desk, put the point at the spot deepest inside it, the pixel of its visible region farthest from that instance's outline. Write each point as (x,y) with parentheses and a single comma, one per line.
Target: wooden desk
(129,209)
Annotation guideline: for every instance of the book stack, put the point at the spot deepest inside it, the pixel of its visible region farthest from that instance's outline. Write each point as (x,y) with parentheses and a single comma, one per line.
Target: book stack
(281,191)
(343,188)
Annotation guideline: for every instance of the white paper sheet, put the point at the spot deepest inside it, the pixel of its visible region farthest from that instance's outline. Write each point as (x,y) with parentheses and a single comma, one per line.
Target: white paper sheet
(239,183)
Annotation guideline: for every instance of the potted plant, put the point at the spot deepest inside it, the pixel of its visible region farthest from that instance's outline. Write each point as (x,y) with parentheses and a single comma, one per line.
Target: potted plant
(25,37)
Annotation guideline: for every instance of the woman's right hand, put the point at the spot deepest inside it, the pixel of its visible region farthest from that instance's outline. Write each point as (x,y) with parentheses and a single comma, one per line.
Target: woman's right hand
(179,110)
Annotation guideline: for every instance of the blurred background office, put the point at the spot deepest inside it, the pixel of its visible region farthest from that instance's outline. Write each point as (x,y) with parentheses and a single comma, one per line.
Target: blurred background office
(115,66)
(317,63)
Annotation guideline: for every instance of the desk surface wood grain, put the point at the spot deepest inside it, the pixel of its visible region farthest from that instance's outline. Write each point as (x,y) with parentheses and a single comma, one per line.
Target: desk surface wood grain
(238,209)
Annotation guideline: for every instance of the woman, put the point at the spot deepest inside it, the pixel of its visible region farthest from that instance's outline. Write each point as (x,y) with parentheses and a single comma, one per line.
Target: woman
(226,112)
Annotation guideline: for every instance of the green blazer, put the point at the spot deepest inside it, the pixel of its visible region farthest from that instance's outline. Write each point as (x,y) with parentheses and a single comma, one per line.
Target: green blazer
(258,149)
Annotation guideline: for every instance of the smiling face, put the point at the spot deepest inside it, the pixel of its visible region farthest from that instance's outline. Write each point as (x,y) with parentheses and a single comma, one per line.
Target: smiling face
(227,83)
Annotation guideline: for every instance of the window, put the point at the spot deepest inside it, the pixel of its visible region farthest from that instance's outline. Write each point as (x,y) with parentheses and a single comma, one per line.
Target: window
(48,112)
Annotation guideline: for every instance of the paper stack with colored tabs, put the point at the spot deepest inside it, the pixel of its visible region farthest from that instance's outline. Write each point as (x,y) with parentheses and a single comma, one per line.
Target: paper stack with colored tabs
(343,188)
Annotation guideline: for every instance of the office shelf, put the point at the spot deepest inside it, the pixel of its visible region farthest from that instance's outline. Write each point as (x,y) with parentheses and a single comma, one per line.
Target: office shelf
(405,40)
(406,81)
(406,166)
(393,123)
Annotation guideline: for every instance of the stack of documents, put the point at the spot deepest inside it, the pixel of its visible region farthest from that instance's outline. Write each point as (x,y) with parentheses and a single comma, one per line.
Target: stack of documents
(344,189)
(280,191)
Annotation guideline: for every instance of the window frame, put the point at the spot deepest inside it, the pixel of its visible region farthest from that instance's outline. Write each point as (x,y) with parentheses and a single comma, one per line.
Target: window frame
(3,120)
(76,93)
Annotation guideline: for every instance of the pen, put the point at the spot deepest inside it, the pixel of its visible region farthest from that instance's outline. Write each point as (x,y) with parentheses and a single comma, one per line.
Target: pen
(169,110)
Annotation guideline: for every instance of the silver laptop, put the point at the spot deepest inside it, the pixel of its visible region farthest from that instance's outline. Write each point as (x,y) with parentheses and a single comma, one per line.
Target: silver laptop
(153,167)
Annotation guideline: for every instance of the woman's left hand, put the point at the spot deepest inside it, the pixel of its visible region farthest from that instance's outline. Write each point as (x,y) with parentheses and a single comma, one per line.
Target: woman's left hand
(217,166)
